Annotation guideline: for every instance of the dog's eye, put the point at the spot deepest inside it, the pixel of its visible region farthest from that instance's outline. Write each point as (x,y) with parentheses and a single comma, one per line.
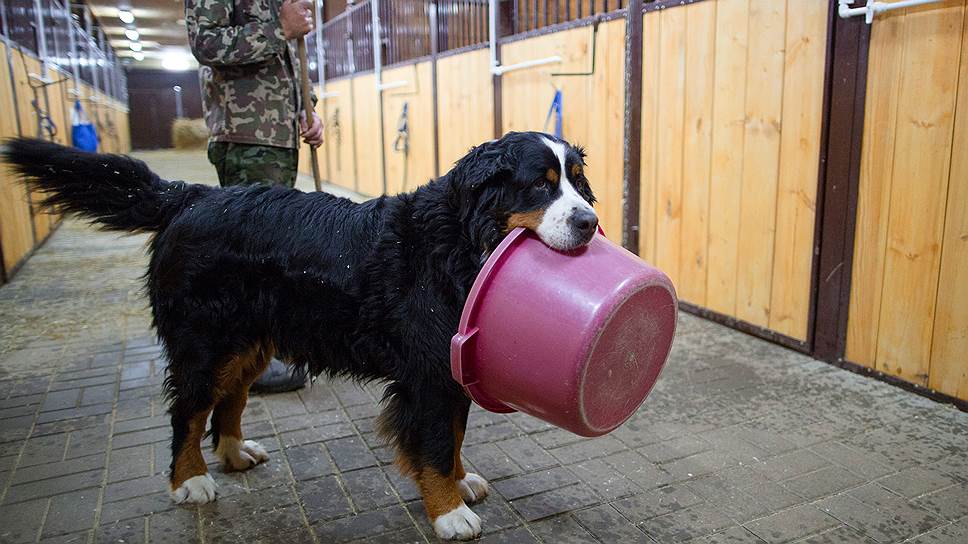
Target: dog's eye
(542,184)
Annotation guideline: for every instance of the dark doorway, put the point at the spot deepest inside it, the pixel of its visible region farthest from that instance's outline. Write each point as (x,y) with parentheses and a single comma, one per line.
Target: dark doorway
(154,106)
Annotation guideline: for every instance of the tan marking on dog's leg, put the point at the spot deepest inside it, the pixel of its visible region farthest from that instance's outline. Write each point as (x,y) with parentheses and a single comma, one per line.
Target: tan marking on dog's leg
(458,441)
(451,518)
(472,487)
(235,453)
(190,481)
(439,492)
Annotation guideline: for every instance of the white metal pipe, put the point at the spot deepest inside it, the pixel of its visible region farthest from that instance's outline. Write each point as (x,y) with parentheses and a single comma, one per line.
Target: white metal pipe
(39,78)
(501,70)
(393,85)
(874,7)
(496,68)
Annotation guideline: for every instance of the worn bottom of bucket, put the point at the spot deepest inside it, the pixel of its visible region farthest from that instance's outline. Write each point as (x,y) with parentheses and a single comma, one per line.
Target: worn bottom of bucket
(626,359)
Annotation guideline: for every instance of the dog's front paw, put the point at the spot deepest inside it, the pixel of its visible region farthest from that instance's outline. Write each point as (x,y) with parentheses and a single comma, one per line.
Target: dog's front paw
(472,488)
(195,490)
(461,523)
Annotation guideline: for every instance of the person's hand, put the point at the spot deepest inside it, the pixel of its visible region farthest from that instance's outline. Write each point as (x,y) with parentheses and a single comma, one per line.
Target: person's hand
(312,135)
(296,18)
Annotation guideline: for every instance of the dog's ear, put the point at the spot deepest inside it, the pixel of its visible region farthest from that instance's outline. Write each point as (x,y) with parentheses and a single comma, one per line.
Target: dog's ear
(483,164)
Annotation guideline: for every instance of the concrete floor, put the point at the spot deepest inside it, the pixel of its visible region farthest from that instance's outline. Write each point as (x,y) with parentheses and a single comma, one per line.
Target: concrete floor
(741,441)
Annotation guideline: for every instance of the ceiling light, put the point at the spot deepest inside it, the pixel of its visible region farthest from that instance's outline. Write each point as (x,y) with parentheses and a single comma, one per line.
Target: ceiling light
(139,56)
(135,46)
(175,62)
(132,34)
(126,16)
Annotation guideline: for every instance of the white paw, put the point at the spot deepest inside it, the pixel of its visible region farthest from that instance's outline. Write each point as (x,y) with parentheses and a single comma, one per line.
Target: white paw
(255,451)
(459,524)
(237,455)
(472,488)
(195,490)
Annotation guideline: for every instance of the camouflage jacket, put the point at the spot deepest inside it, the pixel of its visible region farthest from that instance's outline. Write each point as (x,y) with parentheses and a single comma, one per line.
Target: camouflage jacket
(250,91)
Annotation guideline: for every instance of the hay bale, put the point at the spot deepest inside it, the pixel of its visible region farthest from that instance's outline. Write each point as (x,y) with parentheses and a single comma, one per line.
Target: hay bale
(189,134)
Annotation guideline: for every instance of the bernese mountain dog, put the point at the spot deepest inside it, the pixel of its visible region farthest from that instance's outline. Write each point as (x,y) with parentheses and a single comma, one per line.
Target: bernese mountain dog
(370,291)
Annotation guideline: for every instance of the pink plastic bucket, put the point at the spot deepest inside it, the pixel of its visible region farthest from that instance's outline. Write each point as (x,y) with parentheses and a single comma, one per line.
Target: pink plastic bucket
(577,339)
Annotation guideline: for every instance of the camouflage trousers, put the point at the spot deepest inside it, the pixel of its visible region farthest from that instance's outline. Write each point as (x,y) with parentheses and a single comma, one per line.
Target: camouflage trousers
(245,164)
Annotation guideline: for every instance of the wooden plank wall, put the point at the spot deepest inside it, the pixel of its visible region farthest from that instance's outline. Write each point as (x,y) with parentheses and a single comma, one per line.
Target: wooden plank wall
(465,105)
(23,226)
(909,293)
(16,227)
(593,103)
(406,172)
(366,132)
(731,112)
(340,139)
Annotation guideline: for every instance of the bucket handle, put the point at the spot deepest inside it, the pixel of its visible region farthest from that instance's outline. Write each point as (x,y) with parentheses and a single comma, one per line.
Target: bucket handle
(459,345)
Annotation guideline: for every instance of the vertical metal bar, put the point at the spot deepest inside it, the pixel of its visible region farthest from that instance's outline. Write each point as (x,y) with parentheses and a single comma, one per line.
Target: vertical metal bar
(492,34)
(348,41)
(4,29)
(72,44)
(320,47)
(92,63)
(434,52)
(41,36)
(378,77)
(498,98)
(845,95)
(633,127)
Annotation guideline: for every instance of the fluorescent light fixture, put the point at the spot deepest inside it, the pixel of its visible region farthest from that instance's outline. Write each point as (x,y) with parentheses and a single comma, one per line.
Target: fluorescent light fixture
(126,16)
(132,34)
(135,46)
(139,56)
(175,62)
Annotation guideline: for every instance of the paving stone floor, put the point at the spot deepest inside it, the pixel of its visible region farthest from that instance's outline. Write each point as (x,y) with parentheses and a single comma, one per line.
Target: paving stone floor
(741,441)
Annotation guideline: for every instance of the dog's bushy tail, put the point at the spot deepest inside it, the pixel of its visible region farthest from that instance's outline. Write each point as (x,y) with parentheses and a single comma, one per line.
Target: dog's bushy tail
(118,192)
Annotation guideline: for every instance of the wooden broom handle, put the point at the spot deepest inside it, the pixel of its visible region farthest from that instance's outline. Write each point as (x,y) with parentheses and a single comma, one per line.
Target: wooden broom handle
(308,107)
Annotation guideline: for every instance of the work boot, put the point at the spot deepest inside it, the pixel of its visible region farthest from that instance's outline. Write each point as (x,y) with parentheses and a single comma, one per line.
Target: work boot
(279,378)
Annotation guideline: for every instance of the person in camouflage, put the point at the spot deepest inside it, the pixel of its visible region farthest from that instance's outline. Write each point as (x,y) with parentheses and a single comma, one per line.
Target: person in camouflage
(250,90)
(251,98)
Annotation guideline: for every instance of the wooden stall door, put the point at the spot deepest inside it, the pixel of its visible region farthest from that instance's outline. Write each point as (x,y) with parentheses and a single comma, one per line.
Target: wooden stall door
(410,167)
(465,105)
(366,118)
(339,137)
(22,66)
(732,102)
(593,102)
(908,314)
(16,229)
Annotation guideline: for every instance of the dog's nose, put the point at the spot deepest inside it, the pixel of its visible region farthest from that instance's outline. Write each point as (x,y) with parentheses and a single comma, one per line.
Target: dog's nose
(584,222)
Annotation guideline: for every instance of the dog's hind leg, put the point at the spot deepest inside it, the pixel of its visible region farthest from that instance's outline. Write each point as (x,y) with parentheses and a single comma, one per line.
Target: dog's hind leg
(234,382)
(472,486)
